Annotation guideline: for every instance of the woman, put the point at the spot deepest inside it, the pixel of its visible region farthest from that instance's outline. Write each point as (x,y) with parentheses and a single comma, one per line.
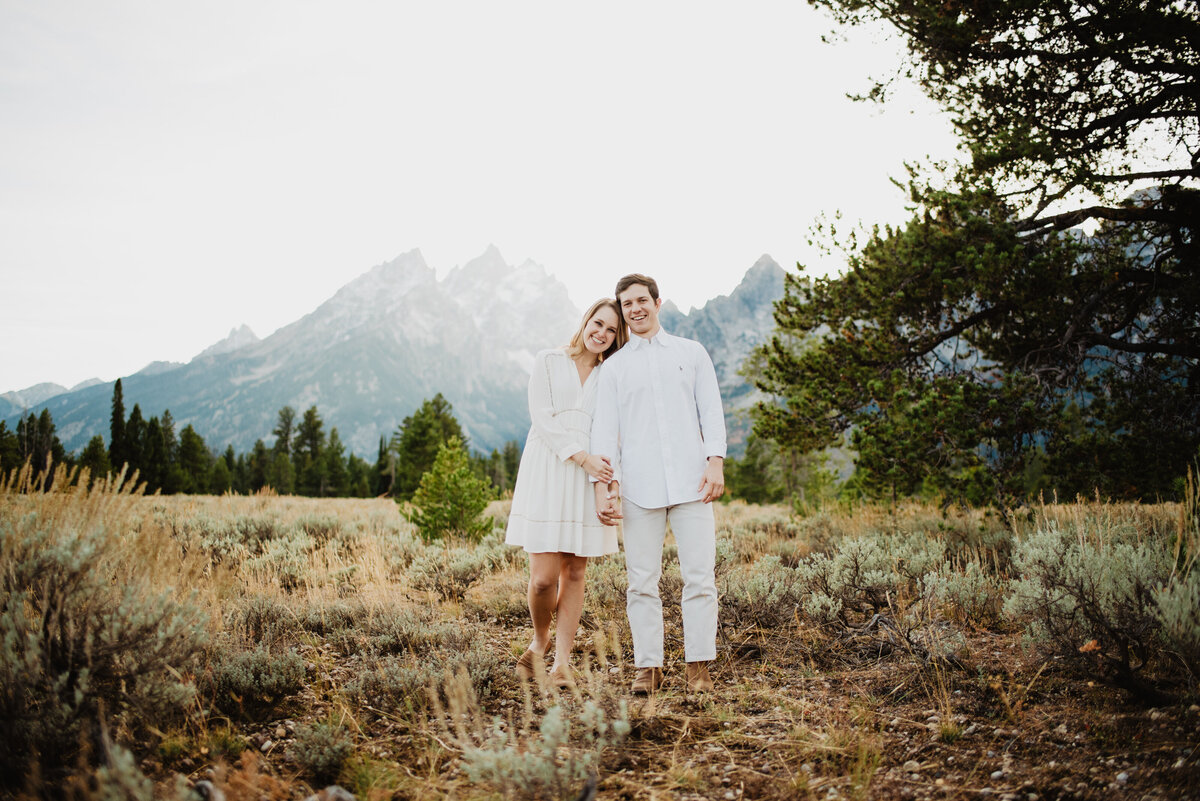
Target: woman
(553,514)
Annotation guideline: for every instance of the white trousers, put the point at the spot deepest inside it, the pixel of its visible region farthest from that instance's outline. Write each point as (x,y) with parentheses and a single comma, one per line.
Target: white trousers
(696,535)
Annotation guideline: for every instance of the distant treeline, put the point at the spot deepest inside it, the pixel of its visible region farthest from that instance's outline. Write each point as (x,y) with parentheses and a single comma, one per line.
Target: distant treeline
(302,460)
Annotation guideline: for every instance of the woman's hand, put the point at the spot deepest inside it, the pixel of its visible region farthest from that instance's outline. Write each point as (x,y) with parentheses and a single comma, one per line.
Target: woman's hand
(595,465)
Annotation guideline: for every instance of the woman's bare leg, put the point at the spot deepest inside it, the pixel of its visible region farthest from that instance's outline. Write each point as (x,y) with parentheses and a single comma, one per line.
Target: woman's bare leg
(571,582)
(544,569)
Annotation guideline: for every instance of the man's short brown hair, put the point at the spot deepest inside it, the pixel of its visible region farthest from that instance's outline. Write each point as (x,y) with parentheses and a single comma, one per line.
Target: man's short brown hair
(637,278)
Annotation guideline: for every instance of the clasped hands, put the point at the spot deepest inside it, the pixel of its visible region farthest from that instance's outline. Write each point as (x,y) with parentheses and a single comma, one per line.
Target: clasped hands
(608,494)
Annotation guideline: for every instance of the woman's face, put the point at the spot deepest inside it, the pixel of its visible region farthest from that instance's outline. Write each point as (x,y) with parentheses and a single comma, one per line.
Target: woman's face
(600,331)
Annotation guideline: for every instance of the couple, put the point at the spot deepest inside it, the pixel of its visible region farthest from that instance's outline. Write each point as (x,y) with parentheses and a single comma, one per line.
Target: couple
(622,430)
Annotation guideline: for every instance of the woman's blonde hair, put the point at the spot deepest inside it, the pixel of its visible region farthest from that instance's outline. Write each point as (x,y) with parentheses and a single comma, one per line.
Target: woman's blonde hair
(577,347)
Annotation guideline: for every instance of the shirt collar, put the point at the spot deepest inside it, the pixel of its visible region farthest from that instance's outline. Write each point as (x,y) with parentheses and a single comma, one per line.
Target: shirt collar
(661,338)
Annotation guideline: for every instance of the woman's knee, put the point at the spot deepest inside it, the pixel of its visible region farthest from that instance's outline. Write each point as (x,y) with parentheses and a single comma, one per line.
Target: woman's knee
(543,584)
(575,570)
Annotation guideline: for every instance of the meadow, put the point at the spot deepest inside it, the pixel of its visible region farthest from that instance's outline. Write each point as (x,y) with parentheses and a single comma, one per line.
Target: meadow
(267,647)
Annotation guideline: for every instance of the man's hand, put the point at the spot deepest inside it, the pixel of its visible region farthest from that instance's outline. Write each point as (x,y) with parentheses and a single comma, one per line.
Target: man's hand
(712,484)
(608,502)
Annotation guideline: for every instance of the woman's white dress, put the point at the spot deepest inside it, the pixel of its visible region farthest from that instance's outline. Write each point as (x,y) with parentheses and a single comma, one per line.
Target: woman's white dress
(553,506)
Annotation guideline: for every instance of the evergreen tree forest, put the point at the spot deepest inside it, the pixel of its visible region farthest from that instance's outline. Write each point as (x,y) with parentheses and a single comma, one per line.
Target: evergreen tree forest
(304,457)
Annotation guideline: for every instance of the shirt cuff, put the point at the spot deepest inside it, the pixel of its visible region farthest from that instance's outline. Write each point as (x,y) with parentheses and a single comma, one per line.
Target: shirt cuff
(566,452)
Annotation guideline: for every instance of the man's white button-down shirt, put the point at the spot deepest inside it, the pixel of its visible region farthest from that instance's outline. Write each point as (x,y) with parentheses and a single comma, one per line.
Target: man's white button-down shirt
(658,418)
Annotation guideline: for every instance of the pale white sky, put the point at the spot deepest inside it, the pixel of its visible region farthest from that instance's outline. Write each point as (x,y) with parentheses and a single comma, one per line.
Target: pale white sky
(171,170)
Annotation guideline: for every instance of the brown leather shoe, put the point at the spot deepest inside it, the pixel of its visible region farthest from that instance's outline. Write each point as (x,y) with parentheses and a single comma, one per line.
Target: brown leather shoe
(526,662)
(647,680)
(698,680)
(563,677)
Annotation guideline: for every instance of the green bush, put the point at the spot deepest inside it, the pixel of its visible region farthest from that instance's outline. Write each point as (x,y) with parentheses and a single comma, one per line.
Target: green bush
(400,631)
(1088,597)
(450,572)
(866,576)
(322,749)
(403,682)
(767,594)
(451,498)
(972,593)
(78,650)
(553,765)
(255,680)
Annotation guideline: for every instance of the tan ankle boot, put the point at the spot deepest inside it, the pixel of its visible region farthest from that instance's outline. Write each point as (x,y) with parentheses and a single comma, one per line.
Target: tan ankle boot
(647,680)
(698,680)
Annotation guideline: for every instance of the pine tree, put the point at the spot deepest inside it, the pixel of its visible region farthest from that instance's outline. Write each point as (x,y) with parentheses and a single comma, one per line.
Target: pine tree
(334,458)
(450,498)
(418,440)
(307,445)
(195,461)
(135,441)
(258,466)
(117,454)
(283,431)
(10,451)
(95,458)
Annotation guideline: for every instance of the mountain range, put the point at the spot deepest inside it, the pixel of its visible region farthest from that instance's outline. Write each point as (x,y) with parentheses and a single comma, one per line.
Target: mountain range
(388,340)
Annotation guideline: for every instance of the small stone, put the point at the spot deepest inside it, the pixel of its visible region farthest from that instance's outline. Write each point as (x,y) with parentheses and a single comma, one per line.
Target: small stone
(266,746)
(912,766)
(208,791)
(1061,729)
(986,792)
(895,723)
(729,795)
(1179,763)
(1122,777)
(1156,714)
(997,774)
(1194,708)
(1052,764)
(932,719)
(335,792)
(970,729)
(280,732)
(939,782)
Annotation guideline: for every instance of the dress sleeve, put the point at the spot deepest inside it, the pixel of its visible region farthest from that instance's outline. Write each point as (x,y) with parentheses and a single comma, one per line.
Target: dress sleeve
(606,429)
(708,405)
(542,409)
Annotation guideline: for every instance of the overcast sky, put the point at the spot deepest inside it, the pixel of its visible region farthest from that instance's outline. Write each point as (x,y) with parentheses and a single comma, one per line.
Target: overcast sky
(171,170)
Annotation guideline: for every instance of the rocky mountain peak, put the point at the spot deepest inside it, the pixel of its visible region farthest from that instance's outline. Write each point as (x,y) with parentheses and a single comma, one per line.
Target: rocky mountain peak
(237,338)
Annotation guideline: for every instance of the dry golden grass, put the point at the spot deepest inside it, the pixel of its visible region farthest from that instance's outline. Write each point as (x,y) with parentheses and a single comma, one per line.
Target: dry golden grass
(414,680)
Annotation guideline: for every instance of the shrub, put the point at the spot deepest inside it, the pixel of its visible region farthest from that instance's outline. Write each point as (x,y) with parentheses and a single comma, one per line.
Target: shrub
(1089,598)
(552,765)
(865,576)
(77,649)
(1177,608)
(400,631)
(451,498)
(286,559)
(255,680)
(767,594)
(322,749)
(973,594)
(406,683)
(451,572)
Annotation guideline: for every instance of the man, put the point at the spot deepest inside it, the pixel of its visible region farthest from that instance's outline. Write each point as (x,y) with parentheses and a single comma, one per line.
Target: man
(659,421)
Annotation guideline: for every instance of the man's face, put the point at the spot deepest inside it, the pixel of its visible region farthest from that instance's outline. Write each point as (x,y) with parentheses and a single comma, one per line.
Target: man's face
(640,310)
